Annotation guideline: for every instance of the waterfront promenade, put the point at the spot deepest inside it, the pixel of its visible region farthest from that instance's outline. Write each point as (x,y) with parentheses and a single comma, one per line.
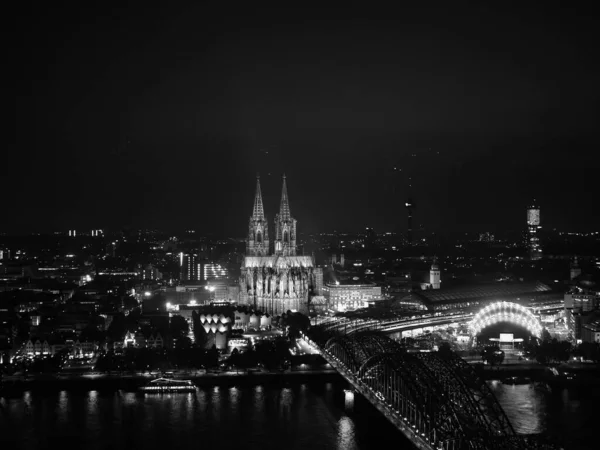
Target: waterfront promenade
(92,380)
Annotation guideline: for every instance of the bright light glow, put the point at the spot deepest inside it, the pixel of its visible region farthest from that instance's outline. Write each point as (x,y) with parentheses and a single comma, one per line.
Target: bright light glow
(506,312)
(211,288)
(169,306)
(192,303)
(147,293)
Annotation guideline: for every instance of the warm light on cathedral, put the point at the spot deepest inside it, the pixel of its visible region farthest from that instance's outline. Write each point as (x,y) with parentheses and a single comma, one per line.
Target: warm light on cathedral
(280,281)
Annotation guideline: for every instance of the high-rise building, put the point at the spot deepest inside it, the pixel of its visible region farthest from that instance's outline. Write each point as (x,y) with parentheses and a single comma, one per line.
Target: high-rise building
(533,226)
(283,281)
(190,268)
(257,243)
(285,227)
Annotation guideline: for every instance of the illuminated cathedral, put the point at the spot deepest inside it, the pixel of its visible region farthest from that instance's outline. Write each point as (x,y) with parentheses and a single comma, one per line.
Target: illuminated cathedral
(274,279)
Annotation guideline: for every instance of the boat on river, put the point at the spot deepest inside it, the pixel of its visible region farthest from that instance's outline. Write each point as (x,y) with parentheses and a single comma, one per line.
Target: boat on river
(516,380)
(164,385)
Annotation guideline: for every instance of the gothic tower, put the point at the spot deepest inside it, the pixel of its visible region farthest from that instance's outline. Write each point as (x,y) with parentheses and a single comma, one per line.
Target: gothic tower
(285,227)
(258,230)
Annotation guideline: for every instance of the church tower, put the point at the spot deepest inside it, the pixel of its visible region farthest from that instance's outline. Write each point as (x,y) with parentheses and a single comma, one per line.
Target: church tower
(258,230)
(434,275)
(285,227)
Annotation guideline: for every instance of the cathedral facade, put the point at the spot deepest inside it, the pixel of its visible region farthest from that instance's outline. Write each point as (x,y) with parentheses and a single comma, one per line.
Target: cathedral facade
(274,279)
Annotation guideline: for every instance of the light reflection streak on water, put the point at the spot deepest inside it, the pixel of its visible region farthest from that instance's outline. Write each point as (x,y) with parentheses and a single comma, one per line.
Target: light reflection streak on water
(285,401)
(345,434)
(234,398)
(215,402)
(62,408)
(523,405)
(259,399)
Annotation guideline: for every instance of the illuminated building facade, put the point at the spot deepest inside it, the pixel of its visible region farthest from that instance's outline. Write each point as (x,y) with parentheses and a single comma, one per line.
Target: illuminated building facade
(282,281)
(285,227)
(533,227)
(189,267)
(213,271)
(350,295)
(192,268)
(434,276)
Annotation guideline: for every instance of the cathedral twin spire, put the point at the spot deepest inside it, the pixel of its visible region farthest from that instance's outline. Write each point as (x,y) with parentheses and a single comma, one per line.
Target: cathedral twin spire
(284,206)
(285,227)
(259,212)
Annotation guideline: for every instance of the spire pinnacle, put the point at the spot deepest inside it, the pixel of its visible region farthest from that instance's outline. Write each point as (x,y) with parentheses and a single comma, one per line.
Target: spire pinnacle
(284,207)
(258,213)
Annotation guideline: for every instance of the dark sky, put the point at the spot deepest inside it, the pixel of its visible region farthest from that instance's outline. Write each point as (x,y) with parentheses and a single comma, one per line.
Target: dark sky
(162,117)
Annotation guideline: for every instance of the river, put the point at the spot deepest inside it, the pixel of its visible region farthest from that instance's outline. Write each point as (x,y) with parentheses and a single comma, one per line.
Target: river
(296,416)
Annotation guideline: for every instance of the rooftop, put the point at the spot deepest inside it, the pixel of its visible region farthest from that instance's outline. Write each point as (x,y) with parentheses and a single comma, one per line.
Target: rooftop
(491,290)
(352,282)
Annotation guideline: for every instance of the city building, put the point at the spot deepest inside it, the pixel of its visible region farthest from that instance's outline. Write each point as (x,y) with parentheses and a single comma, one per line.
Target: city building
(189,267)
(351,294)
(533,227)
(213,271)
(150,273)
(590,332)
(282,281)
(476,296)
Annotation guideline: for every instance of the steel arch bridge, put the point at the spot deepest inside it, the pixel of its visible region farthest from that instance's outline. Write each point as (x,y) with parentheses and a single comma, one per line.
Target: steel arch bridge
(439,402)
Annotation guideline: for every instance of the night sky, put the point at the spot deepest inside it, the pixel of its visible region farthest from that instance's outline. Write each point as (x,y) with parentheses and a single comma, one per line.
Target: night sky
(162,117)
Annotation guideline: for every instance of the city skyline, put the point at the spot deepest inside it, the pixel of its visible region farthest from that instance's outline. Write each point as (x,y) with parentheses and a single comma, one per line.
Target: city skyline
(161,118)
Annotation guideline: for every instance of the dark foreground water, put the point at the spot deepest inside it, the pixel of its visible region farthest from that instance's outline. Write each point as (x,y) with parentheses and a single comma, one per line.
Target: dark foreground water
(300,416)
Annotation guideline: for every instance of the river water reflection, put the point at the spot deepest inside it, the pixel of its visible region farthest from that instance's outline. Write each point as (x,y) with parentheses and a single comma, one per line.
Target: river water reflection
(314,416)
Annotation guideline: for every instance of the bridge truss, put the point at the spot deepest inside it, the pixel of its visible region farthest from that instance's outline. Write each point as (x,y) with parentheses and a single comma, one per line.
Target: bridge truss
(442,400)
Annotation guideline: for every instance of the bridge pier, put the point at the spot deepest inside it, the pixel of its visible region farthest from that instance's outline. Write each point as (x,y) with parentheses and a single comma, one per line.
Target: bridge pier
(349,400)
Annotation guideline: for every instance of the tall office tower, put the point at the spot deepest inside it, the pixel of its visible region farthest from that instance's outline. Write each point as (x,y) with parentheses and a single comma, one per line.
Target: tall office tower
(533,227)
(258,229)
(409,205)
(190,269)
(285,227)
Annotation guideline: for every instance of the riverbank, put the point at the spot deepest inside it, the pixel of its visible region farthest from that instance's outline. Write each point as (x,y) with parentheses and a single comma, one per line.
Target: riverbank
(587,376)
(133,382)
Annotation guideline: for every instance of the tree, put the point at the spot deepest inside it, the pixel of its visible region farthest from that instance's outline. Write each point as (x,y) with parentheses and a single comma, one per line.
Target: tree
(589,351)
(117,327)
(492,355)
(553,352)
(445,351)
(546,335)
